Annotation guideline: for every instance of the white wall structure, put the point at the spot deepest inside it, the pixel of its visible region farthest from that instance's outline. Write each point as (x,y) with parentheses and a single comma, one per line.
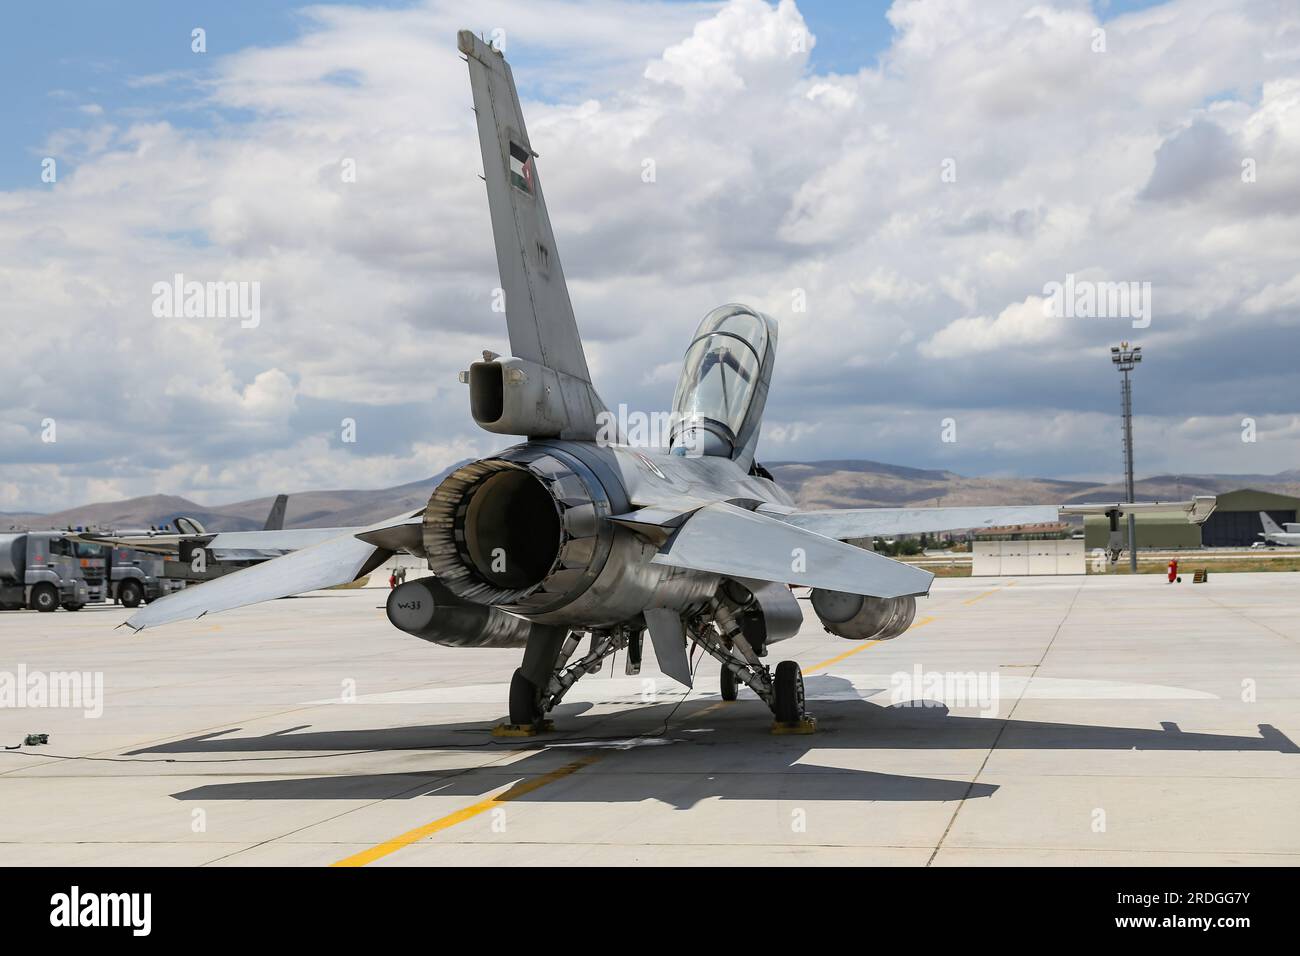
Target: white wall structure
(415,568)
(1012,558)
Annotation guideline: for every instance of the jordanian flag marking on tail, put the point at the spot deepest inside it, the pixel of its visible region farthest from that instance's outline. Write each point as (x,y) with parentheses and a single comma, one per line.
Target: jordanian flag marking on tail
(521,168)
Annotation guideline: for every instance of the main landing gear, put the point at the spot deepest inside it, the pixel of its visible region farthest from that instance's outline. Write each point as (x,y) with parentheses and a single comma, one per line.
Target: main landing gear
(788,697)
(730,686)
(720,637)
(530,703)
(717,634)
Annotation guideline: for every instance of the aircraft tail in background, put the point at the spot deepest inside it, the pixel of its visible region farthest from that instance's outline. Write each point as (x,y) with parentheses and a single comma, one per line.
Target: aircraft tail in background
(275,520)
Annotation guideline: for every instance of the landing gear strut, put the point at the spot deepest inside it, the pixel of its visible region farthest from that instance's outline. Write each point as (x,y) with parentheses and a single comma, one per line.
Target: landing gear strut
(721,638)
(529,704)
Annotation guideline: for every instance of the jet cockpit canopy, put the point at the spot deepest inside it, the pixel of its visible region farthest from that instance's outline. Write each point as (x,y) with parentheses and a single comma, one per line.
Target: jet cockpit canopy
(723,387)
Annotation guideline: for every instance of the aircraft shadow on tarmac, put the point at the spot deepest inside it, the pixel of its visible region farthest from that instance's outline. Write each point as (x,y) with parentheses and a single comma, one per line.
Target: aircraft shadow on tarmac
(729,757)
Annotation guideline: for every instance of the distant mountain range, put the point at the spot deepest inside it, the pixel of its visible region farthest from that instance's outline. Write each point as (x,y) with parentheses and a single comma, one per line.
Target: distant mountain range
(307,509)
(871,484)
(814,484)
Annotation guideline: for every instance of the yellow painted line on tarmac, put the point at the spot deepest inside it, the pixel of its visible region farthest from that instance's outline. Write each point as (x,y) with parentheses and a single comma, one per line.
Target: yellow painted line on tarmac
(717,705)
(522,788)
(859,649)
(980,597)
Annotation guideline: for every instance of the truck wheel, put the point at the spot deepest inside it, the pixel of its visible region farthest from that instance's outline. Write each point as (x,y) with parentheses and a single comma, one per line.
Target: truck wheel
(45,597)
(130,594)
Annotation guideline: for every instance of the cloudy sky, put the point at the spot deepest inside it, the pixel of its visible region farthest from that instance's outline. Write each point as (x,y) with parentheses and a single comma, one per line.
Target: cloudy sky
(915,174)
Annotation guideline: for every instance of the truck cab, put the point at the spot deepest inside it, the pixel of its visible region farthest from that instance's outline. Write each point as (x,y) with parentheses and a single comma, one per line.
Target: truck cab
(92,559)
(40,570)
(135,577)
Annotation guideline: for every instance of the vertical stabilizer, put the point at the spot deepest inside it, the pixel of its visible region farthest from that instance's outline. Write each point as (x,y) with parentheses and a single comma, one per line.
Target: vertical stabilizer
(275,520)
(538,311)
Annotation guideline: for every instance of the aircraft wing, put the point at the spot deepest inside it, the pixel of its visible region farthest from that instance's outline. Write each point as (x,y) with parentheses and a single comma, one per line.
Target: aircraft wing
(340,559)
(148,541)
(1196,510)
(887,522)
(724,539)
(260,545)
(225,545)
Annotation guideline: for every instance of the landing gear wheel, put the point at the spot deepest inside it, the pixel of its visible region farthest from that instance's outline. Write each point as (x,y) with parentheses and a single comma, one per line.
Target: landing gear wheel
(729,684)
(73,606)
(525,709)
(130,594)
(788,688)
(45,597)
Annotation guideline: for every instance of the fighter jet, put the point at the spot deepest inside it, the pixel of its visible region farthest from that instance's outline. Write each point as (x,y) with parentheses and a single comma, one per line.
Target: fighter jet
(572,533)
(1272,534)
(185,534)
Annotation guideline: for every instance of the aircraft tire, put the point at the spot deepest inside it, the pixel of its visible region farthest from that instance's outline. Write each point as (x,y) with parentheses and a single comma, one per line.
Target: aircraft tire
(524,707)
(788,688)
(730,686)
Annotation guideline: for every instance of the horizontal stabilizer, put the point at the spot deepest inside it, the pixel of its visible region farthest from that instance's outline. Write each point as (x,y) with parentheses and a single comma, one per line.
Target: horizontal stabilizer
(337,560)
(724,539)
(397,534)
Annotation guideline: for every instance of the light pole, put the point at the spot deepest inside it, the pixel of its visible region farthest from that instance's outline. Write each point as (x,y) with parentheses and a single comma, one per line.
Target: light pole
(1124,359)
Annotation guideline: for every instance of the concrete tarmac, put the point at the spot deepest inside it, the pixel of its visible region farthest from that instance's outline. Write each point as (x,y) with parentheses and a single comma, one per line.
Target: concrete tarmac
(1070,720)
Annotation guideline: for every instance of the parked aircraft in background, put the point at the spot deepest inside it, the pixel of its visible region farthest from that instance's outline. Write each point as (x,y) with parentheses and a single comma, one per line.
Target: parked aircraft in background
(1287,536)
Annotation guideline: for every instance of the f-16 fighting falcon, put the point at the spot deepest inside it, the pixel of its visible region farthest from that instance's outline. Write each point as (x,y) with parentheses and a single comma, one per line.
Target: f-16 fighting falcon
(570,535)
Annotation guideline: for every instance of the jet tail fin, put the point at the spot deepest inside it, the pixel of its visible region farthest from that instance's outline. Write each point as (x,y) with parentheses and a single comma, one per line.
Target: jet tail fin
(275,519)
(1270,526)
(539,314)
